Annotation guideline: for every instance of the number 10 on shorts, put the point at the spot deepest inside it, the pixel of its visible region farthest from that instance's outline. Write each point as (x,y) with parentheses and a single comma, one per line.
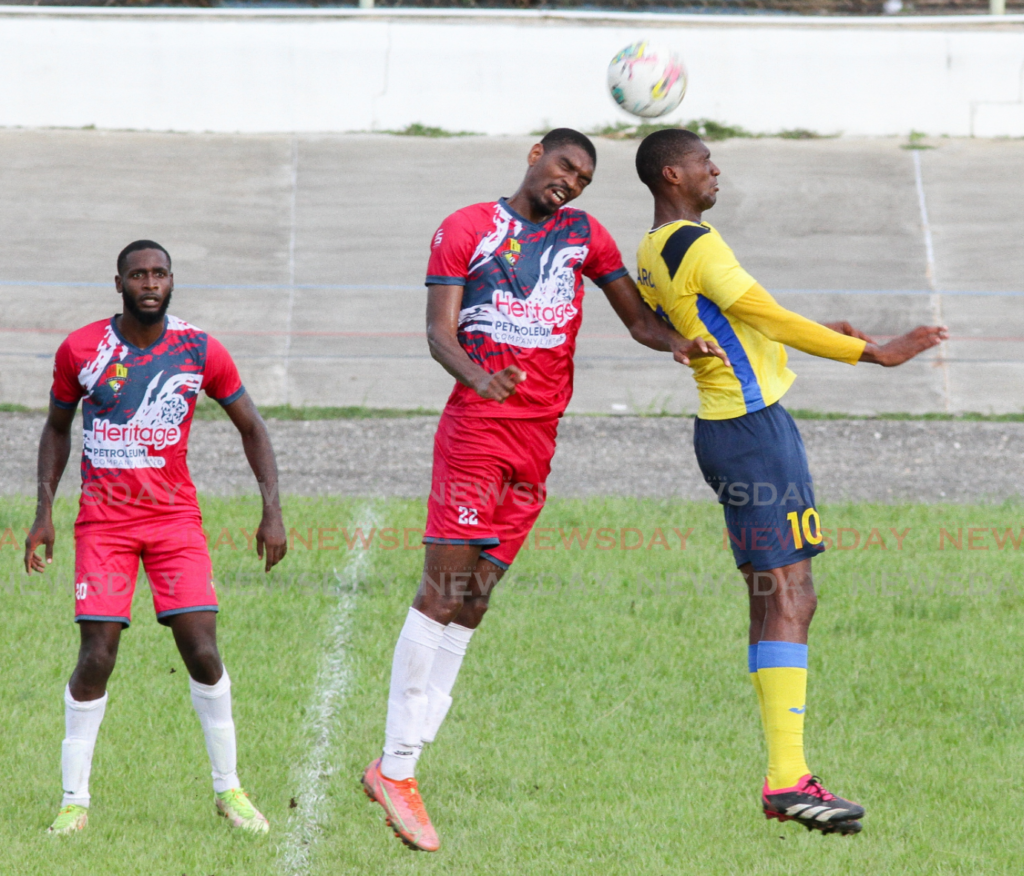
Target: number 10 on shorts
(467,516)
(802,527)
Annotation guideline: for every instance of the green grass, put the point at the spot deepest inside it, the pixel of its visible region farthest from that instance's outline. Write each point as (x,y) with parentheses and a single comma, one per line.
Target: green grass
(210,410)
(603,723)
(418,130)
(708,129)
(915,140)
(971,417)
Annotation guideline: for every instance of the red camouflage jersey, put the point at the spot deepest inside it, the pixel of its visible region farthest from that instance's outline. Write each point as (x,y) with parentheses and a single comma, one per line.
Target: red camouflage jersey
(522,298)
(137,414)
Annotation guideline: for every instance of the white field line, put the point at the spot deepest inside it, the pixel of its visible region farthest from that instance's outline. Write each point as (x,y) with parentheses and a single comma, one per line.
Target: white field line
(291,266)
(329,692)
(929,273)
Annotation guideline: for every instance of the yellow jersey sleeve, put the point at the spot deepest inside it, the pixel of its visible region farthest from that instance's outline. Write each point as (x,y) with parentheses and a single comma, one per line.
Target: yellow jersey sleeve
(759,310)
(716,272)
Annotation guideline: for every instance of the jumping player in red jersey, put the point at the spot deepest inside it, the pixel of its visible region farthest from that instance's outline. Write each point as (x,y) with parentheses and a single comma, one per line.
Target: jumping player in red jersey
(139,374)
(505,294)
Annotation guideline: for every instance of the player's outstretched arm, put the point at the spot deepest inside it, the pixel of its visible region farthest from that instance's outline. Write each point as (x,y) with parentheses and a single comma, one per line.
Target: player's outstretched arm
(54,449)
(905,347)
(844,328)
(646,328)
(443,306)
(270,533)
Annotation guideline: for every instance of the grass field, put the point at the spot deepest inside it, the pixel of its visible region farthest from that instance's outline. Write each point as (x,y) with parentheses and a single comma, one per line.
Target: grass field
(603,724)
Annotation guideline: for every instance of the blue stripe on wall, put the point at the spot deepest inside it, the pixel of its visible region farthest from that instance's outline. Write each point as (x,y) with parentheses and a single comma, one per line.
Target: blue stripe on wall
(720,327)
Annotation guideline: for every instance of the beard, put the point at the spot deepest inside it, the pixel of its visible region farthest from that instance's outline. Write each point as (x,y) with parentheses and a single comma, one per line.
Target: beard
(146,317)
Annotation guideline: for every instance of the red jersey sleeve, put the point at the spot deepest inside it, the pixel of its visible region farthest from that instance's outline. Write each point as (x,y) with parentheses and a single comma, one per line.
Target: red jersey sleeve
(220,376)
(66,390)
(450,252)
(604,261)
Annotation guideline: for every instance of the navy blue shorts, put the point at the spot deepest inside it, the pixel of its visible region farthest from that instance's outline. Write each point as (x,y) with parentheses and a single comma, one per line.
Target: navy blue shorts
(757,466)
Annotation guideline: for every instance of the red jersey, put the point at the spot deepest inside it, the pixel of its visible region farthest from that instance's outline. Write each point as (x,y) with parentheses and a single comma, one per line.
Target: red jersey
(137,414)
(522,298)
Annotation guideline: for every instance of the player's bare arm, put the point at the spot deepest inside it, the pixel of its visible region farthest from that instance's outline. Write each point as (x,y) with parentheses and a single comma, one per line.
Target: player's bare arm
(443,303)
(270,535)
(646,328)
(54,450)
(898,350)
(905,347)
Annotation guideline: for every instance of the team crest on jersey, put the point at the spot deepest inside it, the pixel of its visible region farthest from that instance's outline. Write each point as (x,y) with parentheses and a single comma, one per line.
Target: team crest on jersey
(513,249)
(116,376)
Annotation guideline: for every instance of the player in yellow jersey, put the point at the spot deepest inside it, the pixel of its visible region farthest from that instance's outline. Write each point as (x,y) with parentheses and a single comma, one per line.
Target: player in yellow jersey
(748,447)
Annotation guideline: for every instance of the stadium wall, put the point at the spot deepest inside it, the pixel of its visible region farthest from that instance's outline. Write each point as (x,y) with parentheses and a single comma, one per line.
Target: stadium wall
(501,72)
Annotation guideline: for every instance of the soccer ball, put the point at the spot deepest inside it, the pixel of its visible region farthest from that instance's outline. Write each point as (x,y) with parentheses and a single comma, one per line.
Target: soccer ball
(647,80)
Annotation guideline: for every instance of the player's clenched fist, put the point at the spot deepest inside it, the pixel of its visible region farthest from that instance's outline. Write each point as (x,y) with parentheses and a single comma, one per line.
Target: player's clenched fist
(905,347)
(41,533)
(501,385)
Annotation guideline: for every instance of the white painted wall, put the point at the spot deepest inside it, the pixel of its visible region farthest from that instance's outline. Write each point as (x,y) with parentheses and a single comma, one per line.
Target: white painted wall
(498,73)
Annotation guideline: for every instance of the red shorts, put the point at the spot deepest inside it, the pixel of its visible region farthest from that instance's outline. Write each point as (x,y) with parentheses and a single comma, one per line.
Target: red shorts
(489,482)
(175,557)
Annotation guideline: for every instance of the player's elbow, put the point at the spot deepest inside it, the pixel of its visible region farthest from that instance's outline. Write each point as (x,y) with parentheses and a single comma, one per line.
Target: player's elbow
(439,342)
(253,430)
(645,331)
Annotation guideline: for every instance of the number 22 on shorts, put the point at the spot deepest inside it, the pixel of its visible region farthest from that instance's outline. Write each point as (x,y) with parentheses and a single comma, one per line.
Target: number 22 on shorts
(801,527)
(467,516)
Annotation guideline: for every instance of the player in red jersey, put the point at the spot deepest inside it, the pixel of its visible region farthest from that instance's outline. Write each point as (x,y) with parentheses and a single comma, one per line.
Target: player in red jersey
(139,375)
(505,295)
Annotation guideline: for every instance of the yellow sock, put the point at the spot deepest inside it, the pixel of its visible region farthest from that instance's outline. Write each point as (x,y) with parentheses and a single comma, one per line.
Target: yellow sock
(752,665)
(782,674)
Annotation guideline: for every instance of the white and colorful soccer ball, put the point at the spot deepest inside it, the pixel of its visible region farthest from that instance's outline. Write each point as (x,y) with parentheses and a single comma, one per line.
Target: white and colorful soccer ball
(646,79)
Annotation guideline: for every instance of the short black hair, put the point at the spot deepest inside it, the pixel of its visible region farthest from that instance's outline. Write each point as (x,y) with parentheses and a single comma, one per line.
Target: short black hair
(661,149)
(135,246)
(569,137)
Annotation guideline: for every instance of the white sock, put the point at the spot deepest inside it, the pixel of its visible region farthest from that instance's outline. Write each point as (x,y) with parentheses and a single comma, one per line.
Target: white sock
(213,706)
(442,677)
(407,700)
(81,727)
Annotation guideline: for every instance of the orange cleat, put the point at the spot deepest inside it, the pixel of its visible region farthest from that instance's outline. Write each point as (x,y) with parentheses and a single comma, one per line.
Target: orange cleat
(402,803)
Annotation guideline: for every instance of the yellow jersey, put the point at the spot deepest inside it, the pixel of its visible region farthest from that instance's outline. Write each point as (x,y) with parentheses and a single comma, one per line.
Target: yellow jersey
(690,278)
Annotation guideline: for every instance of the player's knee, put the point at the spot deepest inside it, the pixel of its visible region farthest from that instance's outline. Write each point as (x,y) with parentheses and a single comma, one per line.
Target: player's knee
(473,611)
(203,662)
(443,604)
(96,662)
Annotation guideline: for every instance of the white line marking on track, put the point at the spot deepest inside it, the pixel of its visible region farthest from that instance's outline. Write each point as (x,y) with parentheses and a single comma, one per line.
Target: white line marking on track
(941,357)
(329,692)
(291,265)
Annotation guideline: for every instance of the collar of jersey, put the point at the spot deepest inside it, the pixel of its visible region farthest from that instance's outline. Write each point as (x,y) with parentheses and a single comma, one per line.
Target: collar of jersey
(516,216)
(676,222)
(127,343)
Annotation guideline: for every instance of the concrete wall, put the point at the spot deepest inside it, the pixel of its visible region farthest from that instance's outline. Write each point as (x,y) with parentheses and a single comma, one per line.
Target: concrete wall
(498,73)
